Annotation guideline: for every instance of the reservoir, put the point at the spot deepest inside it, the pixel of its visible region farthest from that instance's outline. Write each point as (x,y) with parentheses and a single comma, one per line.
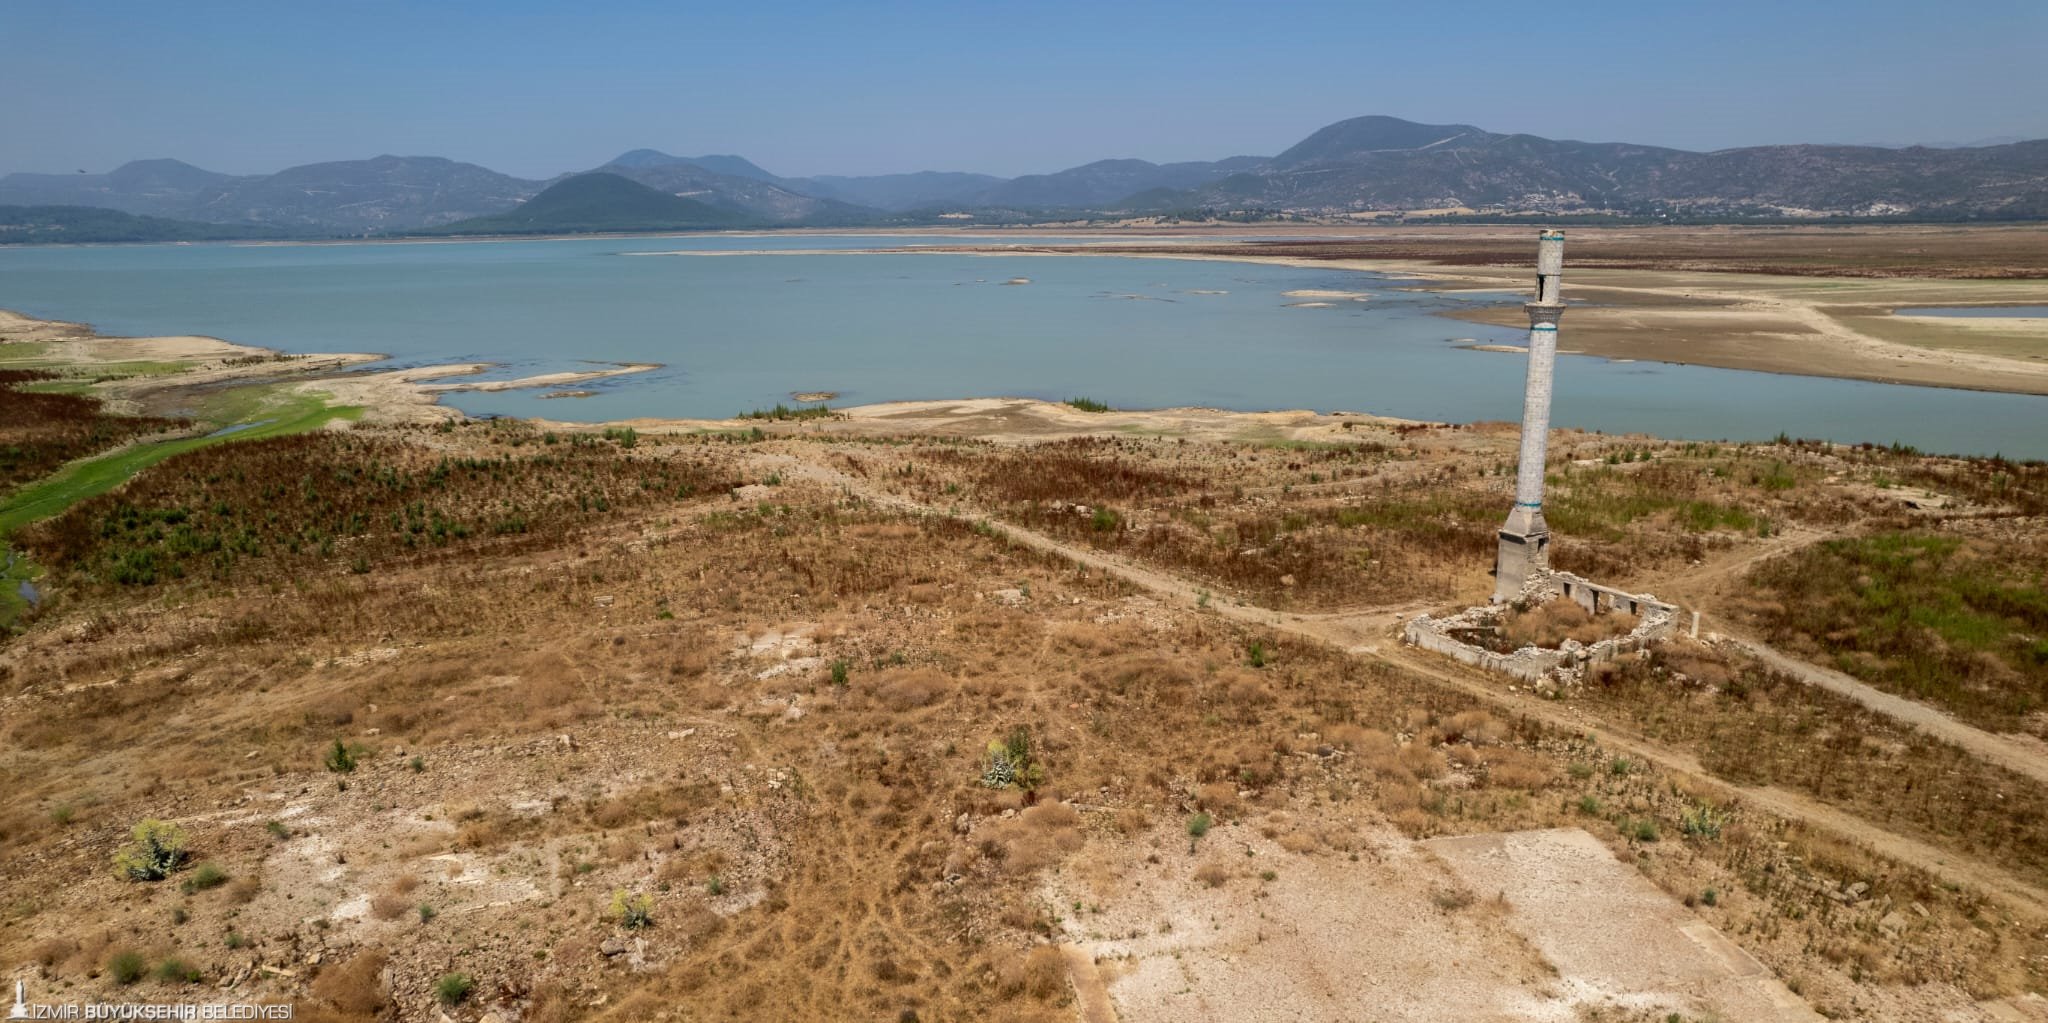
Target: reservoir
(775,315)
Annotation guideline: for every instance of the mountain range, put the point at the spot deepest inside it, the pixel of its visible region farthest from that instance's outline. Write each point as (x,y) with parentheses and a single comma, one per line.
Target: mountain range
(1365,164)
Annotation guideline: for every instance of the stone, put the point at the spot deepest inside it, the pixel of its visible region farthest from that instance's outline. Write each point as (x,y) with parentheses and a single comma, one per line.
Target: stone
(1893,923)
(612,946)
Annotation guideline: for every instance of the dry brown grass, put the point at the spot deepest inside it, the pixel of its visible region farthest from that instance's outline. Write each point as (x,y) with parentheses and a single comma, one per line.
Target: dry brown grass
(871,900)
(354,986)
(1753,725)
(1552,622)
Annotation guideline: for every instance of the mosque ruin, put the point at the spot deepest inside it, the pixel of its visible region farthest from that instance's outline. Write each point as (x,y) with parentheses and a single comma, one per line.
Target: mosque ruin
(1522,574)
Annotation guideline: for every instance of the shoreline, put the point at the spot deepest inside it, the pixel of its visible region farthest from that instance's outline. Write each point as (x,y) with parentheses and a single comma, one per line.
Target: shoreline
(1752,323)
(411,396)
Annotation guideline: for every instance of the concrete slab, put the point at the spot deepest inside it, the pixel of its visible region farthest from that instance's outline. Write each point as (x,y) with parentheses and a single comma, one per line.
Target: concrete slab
(1612,934)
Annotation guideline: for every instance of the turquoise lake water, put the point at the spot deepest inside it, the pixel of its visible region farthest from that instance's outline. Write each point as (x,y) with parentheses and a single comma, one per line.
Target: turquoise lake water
(737,332)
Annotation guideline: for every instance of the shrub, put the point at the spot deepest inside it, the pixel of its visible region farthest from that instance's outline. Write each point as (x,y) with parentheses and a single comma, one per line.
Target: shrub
(1010,763)
(127,967)
(206,875)
(427,912)
(1088,404)
(716,885)
(157,849)
(356,986)
(277,830)
(1702,822)
(633,911)
(454,988)
(340,758)
(177,971)
(1198,825)
(1256,654)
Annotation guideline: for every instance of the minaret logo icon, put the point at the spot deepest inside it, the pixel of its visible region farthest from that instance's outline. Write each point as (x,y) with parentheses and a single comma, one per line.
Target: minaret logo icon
(20,1010)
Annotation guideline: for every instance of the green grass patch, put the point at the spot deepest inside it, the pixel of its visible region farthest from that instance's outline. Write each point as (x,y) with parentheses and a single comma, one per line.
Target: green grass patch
(270,412)
(783,412)
(1921,615)
(1602,503)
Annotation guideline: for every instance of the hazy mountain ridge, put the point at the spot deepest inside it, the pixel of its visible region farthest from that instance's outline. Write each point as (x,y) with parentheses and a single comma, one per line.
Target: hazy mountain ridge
(86,224)
(754,192)
(596,202)
(1363,164)
(385,193)
(1380,163)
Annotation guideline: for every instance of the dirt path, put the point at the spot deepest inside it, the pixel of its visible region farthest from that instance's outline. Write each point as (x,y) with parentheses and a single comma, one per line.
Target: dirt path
(1697,588)
(1984,745)
(1369,633)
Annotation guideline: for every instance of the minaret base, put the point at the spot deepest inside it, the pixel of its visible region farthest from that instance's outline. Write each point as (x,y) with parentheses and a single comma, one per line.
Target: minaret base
(1524,551)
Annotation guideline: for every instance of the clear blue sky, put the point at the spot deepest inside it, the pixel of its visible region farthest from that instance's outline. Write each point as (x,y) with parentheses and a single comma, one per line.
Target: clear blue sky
(535,88)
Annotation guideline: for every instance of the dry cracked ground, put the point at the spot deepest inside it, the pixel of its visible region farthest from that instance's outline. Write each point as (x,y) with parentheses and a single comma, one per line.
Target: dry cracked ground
(879,719)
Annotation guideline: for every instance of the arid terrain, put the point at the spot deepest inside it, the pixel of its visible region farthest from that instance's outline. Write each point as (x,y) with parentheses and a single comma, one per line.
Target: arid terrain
(989,709)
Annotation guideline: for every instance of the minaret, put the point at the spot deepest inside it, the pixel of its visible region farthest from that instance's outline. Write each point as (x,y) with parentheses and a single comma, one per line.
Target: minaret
(1525,539)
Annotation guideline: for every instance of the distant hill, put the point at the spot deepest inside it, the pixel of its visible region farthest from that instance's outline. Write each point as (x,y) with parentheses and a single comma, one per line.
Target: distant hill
(83,224)
(1374,163)
(1101,184)
(599,202)
(152,187)
(349,196)
(753,192)
(381,194)
(899,192)
(1384,163)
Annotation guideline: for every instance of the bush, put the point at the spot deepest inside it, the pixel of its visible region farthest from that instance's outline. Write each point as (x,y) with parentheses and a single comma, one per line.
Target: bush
(1088,404)
(633,911)
(1702,822)
(340,758)
(177,971)
(206,875)
(156,850)
(127,967)
(454,988)
(1010,763)
(1198,825)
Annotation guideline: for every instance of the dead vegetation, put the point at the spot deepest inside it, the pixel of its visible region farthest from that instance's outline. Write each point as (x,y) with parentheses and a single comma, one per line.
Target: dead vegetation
(1552,622)
(40,431)
(770,716)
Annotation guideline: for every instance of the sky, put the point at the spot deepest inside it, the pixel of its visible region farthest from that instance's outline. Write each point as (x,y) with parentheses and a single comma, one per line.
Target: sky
(538,88)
